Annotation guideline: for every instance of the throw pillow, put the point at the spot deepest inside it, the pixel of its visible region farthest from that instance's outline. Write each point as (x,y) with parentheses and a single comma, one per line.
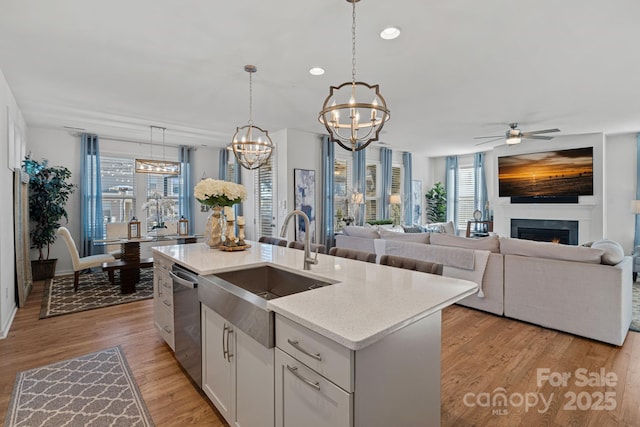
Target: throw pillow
(613,251)
(522,247)
(490,243)
(441,227)
(415,229)
(357,231)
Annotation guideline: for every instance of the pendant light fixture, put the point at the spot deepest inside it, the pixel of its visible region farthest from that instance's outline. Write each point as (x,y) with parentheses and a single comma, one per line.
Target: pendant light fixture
(350,122)
(251,145)
(160,167)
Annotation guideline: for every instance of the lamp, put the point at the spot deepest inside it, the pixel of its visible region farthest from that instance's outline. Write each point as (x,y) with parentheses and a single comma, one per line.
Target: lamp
(394,199)
(161,167)
(251,145)
(635,206)
(352,133)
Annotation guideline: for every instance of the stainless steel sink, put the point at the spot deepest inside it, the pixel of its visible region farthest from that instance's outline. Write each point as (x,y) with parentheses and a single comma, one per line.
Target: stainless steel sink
(240,296)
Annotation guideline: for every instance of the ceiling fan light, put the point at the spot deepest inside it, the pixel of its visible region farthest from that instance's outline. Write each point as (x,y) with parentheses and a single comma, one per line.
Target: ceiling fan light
(514,139)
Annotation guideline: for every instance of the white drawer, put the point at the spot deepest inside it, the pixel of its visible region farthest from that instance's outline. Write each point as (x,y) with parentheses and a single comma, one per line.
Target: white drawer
(321,354)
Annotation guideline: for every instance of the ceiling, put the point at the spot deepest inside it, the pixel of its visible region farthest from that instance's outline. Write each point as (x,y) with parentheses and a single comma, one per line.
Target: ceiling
(460,68)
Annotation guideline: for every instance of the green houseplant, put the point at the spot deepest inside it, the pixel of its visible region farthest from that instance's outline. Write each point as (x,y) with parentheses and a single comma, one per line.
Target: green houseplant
(49,191)
(436,209)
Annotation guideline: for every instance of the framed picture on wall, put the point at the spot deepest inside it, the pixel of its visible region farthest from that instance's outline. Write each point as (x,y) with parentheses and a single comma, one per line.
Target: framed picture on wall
(304,194)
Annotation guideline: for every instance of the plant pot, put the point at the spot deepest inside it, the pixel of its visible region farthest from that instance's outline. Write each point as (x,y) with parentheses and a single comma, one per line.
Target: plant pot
(43,269)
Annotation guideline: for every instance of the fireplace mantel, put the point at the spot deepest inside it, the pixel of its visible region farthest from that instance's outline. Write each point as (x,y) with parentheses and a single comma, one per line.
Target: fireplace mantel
(588,215)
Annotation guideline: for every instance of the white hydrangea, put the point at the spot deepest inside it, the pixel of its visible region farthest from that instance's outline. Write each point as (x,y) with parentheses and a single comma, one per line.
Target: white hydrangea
(217,192)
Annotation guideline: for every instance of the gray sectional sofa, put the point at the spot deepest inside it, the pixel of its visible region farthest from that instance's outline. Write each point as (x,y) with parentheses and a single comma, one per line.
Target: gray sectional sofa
(585,291)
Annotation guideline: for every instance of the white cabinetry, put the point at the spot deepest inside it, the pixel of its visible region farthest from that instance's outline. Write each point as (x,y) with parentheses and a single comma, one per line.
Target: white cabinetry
(237,372)
(163,298)
(394,381)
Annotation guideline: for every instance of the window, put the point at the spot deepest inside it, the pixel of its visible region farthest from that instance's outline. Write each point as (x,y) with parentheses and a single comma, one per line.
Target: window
(341,193)
(161,200)
(118,189)
(466,202)
(264,199)
(126,194)
(371,193)
(396,188)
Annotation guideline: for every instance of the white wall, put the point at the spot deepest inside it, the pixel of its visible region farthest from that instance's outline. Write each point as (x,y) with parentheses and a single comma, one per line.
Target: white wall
(10,116)
(620,184)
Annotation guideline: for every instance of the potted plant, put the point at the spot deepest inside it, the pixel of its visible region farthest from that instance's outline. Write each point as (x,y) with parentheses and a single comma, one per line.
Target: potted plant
(49,192)
(436,209)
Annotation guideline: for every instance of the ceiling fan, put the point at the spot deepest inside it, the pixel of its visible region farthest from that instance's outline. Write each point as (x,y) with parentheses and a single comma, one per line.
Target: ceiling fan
(514,135)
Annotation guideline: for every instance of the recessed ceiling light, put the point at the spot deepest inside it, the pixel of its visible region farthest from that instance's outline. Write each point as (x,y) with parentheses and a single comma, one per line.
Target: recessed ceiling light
(390,33)
(316,71)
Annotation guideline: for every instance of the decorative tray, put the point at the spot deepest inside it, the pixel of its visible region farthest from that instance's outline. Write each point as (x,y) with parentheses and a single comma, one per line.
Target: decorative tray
(234,248)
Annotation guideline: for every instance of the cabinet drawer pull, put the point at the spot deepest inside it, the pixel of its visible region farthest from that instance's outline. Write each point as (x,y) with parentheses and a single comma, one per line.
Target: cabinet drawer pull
(167,329)
(167,303)
(295,372)
(295,344)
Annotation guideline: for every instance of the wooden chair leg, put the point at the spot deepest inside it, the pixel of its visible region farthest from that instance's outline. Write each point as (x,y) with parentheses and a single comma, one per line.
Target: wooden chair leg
(76,279)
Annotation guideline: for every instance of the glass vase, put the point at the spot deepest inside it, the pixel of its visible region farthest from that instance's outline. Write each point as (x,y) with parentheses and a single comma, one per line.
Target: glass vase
(215,228)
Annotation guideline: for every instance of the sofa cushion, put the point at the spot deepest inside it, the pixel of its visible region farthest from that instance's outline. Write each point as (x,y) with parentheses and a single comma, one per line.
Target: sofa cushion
(404,237)
(358,231)
(490,243)
(613,251)
(549,250)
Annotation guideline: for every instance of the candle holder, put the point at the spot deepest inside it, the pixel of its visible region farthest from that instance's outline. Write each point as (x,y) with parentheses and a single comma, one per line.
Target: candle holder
(230,240)
(241,236)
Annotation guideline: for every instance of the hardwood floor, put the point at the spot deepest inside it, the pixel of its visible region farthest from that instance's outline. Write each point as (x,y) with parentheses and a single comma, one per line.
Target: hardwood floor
(481,353)
(168,393)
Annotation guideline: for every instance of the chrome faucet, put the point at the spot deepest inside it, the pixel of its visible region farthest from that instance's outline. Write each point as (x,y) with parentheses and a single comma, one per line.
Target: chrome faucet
(307,237)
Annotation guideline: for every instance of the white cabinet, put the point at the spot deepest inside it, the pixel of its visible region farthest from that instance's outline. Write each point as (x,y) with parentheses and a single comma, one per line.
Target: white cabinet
(163,299)
(306,398)
(237,372)
(394,381)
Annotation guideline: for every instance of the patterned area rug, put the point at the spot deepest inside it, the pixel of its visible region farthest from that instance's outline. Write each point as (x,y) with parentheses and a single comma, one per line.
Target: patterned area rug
(93,390)
(635,318)
(94,291)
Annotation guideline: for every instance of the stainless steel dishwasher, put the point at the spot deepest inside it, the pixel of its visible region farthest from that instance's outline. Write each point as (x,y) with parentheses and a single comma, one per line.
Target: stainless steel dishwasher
(186,321)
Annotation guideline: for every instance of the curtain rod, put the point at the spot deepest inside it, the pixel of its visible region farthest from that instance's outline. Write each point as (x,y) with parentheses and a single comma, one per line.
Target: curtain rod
(110,138)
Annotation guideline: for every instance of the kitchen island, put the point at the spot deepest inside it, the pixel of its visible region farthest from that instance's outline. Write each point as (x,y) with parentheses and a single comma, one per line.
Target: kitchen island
(364,351)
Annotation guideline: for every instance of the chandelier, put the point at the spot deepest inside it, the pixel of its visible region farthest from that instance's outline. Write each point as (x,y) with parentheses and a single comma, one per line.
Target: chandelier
(351,123)
(251,145)
(160,167)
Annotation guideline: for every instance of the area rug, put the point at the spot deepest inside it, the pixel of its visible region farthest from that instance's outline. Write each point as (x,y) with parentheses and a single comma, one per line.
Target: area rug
(97,389)
(635,318)
(94,291)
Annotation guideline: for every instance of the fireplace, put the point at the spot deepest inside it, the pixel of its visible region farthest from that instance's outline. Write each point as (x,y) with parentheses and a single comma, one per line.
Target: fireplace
(546,230)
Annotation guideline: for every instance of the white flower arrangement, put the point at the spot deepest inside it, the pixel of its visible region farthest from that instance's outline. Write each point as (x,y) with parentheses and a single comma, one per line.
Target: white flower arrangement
(215,192)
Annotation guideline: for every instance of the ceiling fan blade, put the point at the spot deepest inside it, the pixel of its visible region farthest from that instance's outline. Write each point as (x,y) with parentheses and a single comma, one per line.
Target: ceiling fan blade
(492,136)
(546,138)
(535,132)
(491,140)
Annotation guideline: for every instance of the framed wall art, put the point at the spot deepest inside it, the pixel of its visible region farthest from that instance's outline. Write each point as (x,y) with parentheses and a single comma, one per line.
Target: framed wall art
(304,188)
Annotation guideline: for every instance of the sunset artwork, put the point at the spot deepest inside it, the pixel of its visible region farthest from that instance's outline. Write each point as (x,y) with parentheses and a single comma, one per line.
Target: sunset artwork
(550,173)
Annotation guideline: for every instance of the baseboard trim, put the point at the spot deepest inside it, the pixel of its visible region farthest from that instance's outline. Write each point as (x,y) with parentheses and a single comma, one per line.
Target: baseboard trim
(4,332)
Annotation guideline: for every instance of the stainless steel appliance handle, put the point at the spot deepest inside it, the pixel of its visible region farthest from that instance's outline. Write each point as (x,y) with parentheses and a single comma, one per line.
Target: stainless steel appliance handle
(295,344)
(182,281)
(295,372)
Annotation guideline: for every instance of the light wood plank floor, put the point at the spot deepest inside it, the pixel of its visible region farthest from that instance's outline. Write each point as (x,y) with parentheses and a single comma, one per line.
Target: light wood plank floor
(481,353)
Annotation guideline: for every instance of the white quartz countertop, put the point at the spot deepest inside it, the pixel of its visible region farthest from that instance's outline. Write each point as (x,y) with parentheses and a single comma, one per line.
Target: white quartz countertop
(366,303)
